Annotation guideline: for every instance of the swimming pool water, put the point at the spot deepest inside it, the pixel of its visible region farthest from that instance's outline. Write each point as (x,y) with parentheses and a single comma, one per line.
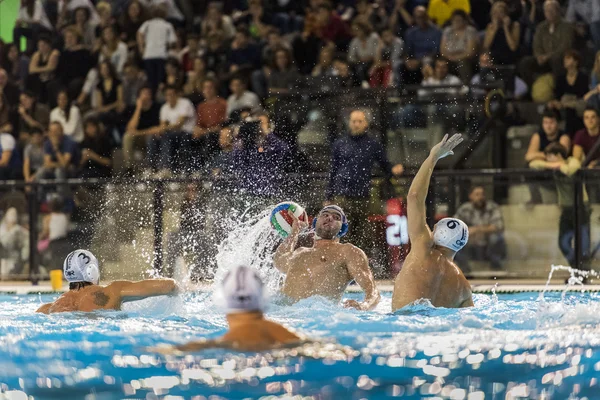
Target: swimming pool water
(513,346)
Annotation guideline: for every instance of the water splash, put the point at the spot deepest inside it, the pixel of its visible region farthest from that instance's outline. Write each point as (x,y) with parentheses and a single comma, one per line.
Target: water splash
(576,277)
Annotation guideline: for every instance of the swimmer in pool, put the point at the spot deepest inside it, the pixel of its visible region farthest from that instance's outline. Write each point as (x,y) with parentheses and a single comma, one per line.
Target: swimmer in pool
(241,295)
(82,273)
(429,271)
(326,268)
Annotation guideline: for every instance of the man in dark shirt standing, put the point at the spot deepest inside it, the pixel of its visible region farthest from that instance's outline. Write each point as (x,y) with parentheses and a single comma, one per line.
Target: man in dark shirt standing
(352,159)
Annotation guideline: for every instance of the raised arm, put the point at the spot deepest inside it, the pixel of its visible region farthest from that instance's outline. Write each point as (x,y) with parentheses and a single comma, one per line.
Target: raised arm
(358,268)
(285,252)
(130,291)
(418,231)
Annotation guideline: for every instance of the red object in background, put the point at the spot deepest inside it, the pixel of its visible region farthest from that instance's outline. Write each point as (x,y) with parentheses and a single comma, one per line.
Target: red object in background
(396,234)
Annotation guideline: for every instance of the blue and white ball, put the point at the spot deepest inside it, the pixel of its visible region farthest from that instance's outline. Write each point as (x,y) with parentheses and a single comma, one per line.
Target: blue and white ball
(281,221)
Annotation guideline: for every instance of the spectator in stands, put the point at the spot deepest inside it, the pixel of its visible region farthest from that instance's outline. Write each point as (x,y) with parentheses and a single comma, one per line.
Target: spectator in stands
(331,28)
(489,74)
(109,97)
(244,56)
(288,16)
(283,73)
(306,48)
(130,23)
(60,154)
(343,72)
(195,80)
(386,69)
(565,167)
(75,62)
(212,113)
(273,43)
(106,19)
(587,13)
(145,123)
(177,119)
(10,162)
(486,231)
(85,27)
(31,21)
(548,134)
(42,68)
(593,96)
(133,80)
(14,241)
(69,116)
(325,65)
(8,89)
(422,45)
(570,88)
(96,151)
(216,56)
(586,138)
(16,66)
(256,19)
(155,38)
(32,115)
(439,76)
(363,49)
(372,14)
(190,52)
(6,117)
(241,97)
(502,36)
(33,160)
(352,159)
(217,23)
(400,18)
(440,11)
(552,38)
(460,44)
(113,49)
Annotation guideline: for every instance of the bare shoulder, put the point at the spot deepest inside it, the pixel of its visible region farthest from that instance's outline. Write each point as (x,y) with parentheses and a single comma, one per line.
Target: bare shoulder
(352,250)
(44,309)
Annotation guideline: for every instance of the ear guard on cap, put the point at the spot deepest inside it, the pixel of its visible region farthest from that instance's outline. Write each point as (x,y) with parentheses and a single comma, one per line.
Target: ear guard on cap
(344,229)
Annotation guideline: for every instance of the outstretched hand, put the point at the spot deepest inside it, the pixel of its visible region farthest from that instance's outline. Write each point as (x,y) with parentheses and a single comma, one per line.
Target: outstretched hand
(297,226)
(446,146)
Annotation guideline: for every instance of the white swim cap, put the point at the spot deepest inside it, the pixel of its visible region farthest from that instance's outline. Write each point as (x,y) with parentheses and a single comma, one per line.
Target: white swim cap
(81,266)
(241,290)
(451,233)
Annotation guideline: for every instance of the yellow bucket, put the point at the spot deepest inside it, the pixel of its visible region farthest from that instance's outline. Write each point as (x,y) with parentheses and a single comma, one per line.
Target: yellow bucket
(56,277)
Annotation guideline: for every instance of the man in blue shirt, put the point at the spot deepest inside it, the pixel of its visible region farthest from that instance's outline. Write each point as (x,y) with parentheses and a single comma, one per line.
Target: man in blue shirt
(349,185)
(422,41)
(60,154)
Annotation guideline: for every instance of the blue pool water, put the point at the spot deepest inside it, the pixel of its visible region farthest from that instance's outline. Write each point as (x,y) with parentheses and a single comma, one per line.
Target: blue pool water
(513,346)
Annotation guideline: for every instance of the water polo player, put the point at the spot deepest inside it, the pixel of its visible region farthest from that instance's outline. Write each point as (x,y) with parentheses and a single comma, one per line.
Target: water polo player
(85,294)
(242,297)
(326,268)
(429,271)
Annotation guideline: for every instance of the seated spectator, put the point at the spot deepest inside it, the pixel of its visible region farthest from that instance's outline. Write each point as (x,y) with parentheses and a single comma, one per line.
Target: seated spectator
(400,18)
(331,27)
(42,68)
(393,47)
(552,38)
(10,161)
(422,45)
(325,65)
(109,97)
(69,8)
(14,242)
(190,52)
(96,151)
(145,123)
(75,63)
(216,23)
(32,116)
(105,16)
(548,134)
(33,160)
(570,88)
(60,154)
(240,97)
(439,76)
(244,55)
(155,38)
(174,76)
(343,72)
(69,116)
(440,11)
(31,22)
(288,16)
(283,73)
(490,74)
(306,48)
(256,20)
(16,66)
(177,119)
(363,49)
(593,96)
(195,80)
(133,80)
(273,43)
(502,36)
(212,113)
(587,15)
(460,44)
(217,56)
(486,231)
(113,49)
(372,14)
(130,23)
(564,168)
(85,28)
(586,138)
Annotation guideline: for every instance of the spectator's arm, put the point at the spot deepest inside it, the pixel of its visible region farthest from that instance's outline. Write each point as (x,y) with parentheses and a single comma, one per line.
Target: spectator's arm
(565,140)
(405,15)
(141,41)
(571,166)
(513,35)
(133,123)
(33,64)
(50,67)
(99,101)
(104,161)
(490,34)
(538,40)
(48,163)
(5,158)
(578,153)
(533,151)
(64,159)
(496,222)
(595,91)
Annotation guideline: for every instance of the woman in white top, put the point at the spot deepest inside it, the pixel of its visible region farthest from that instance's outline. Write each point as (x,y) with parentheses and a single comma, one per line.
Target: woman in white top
(31,21)
(69,117)
(113,49)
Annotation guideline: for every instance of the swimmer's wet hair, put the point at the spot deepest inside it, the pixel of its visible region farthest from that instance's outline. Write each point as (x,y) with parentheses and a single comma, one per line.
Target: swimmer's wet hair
(79,285)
